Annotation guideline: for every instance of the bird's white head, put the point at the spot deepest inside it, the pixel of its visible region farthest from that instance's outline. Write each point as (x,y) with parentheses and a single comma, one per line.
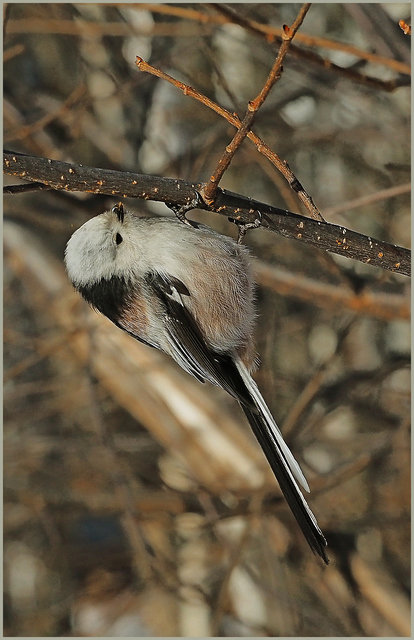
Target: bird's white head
(102,247)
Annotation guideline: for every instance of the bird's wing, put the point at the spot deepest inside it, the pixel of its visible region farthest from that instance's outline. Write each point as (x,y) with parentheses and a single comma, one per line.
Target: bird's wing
(188,346)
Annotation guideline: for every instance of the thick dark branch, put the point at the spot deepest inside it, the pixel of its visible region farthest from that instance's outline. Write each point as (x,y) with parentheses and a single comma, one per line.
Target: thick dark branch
(329,237)
(323,235)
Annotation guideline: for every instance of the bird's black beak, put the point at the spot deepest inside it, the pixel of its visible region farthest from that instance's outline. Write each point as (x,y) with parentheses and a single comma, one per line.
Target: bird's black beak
(119,210)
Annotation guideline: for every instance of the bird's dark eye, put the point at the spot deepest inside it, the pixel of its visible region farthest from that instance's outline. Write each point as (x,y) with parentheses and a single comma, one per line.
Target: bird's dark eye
(118,238)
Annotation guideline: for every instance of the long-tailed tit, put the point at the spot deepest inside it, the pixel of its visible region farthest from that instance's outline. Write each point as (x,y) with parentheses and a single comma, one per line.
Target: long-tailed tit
(189,292)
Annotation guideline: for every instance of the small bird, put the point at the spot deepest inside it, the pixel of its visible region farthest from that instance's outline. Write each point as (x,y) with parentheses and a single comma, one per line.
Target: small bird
(188,291)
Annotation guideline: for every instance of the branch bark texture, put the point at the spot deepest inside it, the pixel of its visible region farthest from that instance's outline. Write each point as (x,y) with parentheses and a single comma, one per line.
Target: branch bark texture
(328,237)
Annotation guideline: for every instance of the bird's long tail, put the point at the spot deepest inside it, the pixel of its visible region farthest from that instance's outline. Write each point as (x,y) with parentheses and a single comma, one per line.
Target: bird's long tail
(282,462)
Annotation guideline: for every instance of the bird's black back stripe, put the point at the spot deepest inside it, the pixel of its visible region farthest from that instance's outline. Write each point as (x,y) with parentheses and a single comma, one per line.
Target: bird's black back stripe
(107,296)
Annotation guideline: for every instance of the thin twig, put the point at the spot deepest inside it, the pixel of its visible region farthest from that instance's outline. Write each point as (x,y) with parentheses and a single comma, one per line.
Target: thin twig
(233,118)
(228,14)
(271,33)
(210,189)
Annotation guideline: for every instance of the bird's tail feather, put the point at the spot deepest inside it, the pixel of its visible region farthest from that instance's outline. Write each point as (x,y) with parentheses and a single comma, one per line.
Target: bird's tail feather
(280,459)
(274,429)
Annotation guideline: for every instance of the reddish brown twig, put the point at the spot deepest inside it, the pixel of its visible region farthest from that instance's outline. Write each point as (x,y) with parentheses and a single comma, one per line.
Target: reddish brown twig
(271,33)
(274,34)
(233,118)
(210,189)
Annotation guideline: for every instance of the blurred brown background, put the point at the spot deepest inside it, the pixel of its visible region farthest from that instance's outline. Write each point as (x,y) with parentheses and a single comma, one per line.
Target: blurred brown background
(137,503)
